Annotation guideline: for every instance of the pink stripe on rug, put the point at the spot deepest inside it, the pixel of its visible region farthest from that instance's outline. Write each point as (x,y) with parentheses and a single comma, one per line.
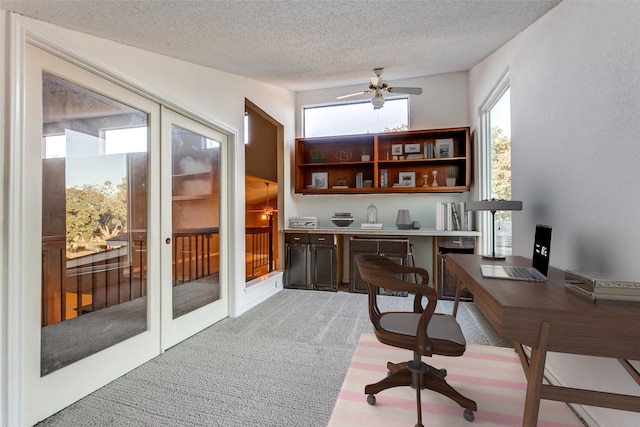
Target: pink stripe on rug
(498,390)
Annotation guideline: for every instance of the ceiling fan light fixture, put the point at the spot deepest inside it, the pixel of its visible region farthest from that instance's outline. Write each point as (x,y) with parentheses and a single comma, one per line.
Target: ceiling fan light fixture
(377,101)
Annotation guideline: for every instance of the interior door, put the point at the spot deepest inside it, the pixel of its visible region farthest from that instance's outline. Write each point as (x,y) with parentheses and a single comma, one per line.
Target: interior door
(194,292)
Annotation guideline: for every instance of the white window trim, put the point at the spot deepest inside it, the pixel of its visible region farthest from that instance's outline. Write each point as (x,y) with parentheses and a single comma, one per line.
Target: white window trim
(484,148)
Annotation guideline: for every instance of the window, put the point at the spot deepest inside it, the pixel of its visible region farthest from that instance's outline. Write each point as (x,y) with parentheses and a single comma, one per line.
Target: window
(356,118)
(495,167)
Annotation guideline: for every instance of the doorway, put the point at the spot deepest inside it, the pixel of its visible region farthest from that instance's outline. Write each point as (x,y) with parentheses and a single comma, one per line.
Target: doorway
(263,137)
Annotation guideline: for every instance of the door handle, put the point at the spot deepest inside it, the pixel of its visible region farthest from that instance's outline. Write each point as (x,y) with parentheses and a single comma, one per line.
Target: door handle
(168,241)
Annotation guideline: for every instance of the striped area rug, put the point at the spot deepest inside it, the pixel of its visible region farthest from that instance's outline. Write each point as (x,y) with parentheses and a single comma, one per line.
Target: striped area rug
(492,376)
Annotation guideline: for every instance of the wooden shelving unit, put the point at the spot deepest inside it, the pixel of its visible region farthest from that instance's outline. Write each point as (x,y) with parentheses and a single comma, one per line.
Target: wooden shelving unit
(325,162)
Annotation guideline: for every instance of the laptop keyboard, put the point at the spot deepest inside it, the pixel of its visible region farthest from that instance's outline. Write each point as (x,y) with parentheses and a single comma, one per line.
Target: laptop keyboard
(519,272)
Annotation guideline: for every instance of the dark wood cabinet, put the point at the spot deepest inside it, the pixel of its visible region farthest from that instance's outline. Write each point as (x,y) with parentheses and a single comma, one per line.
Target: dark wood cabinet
(397,249)
(323,263)
(311,261)
(446,283)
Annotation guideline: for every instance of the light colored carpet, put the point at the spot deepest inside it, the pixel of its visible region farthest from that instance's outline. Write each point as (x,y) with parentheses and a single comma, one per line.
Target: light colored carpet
(280,364)
(492,376)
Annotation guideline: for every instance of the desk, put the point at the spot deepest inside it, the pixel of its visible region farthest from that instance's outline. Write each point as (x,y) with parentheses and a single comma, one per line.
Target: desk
(546,317)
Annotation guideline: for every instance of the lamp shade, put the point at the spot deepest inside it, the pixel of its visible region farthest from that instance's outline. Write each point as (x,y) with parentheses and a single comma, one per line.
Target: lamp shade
(494,205)
(377,100)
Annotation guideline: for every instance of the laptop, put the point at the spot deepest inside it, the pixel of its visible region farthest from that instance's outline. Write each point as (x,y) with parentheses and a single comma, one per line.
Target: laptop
(539,261)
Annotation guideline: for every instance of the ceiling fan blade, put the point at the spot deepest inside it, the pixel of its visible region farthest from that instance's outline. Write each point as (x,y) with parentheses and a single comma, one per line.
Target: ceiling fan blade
(353,94)
(407,90)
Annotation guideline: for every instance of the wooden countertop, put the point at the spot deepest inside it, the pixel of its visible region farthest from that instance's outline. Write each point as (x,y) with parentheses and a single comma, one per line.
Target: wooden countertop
(391,231)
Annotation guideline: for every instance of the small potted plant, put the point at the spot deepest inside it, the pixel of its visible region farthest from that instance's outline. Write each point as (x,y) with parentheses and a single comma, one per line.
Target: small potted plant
(365,154)
(451,177)
(317,157)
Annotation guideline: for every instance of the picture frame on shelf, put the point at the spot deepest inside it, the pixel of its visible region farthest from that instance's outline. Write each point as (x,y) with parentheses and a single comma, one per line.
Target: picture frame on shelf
(320,180)
(407,179)
(444,148)
(412,148)
(396,149)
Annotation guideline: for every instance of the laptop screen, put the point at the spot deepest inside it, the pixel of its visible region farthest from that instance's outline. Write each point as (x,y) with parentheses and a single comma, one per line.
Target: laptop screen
(541,248)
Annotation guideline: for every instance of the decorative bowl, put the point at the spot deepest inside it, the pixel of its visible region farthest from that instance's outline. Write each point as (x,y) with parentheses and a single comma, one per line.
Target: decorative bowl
(342,221)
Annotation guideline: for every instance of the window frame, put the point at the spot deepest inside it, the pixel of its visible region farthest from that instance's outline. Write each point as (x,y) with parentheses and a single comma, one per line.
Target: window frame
(485,155)
(350,103)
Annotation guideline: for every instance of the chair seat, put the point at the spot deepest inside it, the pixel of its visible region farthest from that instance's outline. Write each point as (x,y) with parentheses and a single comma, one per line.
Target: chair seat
(441,326)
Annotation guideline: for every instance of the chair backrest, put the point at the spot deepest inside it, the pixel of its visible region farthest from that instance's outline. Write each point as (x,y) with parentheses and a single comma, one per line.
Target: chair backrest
(381,272)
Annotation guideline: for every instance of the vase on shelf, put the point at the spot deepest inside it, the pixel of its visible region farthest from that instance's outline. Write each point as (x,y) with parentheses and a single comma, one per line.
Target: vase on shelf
(451,182)
(372,214)
(435,179)
(403,221)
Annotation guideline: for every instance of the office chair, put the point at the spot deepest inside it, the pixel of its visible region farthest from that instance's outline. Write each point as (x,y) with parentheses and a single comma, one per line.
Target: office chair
(422,331)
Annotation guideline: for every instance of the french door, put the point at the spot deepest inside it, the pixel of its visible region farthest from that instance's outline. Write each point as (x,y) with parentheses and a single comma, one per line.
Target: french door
(192,297)
(127,215)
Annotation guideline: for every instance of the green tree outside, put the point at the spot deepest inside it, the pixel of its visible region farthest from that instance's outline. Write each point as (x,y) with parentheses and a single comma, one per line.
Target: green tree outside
(501,169)
(95,213)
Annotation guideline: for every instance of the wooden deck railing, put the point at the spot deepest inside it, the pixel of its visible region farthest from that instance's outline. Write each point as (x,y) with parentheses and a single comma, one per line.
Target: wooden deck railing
(259,251)
(88,283)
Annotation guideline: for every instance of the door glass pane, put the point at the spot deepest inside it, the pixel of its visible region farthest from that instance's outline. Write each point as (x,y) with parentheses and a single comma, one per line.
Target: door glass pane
(94,222)
(195,220)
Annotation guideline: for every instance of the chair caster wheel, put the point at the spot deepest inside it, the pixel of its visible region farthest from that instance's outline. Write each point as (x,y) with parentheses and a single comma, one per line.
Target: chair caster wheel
(371,399)
(469,415)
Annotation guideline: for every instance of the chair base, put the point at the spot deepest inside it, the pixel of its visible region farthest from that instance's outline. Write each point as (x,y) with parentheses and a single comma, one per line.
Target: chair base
(416,373)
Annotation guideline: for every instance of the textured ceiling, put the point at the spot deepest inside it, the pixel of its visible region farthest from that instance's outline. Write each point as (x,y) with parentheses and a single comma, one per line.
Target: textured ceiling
(299,44)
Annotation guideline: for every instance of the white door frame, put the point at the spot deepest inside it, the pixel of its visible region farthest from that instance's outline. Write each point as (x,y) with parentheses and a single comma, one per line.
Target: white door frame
(18,391)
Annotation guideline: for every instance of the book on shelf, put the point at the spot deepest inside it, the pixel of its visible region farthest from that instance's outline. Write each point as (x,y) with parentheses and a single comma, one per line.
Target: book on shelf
(453,216)
(429,150)
(384,178)
(359,180)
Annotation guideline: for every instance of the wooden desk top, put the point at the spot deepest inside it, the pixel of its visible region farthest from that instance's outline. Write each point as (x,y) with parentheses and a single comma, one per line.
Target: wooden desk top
(516,309)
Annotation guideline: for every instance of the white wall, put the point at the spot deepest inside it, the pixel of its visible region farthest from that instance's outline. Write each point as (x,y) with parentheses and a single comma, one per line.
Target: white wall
(443,103)
(575,99)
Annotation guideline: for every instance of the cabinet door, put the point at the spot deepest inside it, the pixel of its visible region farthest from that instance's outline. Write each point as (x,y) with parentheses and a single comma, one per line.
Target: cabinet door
(296,266)
(398,258)
(324,267)
(443,280)
(356,284)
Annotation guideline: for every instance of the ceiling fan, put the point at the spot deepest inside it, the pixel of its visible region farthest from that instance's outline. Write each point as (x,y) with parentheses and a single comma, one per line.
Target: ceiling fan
(267,210)
(378,86)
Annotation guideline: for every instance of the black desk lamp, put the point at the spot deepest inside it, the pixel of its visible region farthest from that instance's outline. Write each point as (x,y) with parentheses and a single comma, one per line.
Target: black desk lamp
(494,205)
